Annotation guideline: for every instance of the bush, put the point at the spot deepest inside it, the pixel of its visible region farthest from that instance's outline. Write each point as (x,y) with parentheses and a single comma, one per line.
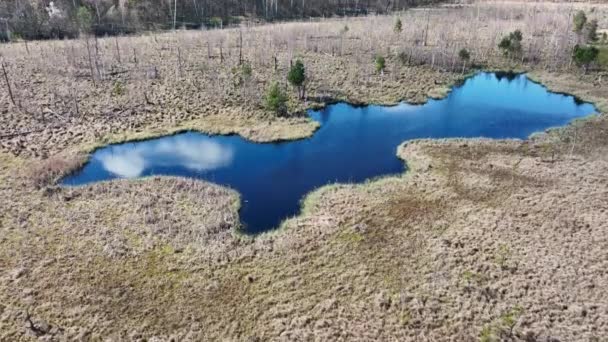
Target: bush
(398,26)
(84,19)
(297,77)
(118,89)
(464,56)
(242,74)
(584,56)
(216,22)
(380,63)
(403,58)
(591,30)
(276,100)
(511,45)
(580,19)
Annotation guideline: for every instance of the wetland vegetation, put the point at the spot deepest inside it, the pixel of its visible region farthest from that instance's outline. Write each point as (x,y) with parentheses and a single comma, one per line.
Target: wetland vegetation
(353,144)
(480,240)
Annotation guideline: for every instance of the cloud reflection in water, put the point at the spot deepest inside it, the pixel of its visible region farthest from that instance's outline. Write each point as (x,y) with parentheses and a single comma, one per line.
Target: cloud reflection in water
(130,160)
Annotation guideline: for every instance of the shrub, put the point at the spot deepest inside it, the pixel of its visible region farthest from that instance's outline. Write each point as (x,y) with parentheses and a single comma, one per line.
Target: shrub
(403,58)
(580,19)
(118,89)
(216,22)
(297,77)
(464,56)
(380,63)
(511,45)
(246,70)
(398,26)
(276,100)
(242,74)
(584,56)
(84,19)
(591,30)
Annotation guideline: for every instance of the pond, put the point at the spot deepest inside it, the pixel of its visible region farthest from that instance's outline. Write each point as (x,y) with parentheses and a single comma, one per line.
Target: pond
(352,145)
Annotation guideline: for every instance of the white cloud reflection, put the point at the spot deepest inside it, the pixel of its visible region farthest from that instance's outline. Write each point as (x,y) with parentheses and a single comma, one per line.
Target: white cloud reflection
(402,107)
(193,152)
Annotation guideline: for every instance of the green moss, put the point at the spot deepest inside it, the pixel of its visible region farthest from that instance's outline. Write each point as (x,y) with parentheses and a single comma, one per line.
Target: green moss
(470,278)
(502,255)
(405,317)
(502,326)
(487,334)
(351,238)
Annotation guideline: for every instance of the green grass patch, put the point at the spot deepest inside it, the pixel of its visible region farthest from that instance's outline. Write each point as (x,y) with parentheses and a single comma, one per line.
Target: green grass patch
(602,58)
(353,238)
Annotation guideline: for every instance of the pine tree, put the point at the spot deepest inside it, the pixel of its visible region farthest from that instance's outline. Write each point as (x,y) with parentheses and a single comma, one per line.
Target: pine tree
(297,77)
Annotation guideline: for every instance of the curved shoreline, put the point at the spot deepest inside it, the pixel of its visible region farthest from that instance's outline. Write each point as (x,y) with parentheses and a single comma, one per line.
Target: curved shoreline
(307,198)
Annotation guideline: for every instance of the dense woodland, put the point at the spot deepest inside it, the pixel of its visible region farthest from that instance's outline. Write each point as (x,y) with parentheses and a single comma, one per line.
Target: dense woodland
(43,19)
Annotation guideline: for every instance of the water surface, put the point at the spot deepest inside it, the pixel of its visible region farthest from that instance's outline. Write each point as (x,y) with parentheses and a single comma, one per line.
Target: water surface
(352,145)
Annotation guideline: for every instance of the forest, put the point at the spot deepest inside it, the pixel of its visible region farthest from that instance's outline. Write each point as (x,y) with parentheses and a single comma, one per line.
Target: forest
(44,19)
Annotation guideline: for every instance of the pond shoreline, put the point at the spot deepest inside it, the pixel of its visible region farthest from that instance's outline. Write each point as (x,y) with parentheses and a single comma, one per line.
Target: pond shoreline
(114,157)
(121,220)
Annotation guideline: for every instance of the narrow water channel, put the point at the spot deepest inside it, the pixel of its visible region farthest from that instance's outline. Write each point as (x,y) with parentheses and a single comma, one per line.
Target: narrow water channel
(352,145)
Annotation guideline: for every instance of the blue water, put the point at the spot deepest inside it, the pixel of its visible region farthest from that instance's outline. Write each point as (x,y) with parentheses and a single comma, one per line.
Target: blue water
(352,145)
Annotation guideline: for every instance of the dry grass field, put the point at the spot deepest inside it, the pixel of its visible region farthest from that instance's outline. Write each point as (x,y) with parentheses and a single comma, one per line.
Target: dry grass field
(87,92)
(479,241)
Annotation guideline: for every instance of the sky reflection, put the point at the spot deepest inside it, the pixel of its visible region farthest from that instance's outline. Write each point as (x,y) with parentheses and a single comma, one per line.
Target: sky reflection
(352,145)
(195,154)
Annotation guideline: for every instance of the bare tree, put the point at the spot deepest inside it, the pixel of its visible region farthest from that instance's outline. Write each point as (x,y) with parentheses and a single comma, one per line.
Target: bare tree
(8,84)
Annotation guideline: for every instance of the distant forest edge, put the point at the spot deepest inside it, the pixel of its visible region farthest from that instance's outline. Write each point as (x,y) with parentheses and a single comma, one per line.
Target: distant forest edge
(45,19)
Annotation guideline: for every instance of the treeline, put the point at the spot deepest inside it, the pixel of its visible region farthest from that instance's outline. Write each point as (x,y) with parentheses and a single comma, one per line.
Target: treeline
(45,19)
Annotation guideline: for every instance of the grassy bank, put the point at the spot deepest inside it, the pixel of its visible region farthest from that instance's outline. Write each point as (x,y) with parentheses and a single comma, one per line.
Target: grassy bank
(479,241)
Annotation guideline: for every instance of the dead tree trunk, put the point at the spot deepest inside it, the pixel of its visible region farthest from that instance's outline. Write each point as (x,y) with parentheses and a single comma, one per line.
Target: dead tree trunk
(117,50)
(426,30)
(179,62)
(8,84)
(90,62)
(240,47)
(75,100)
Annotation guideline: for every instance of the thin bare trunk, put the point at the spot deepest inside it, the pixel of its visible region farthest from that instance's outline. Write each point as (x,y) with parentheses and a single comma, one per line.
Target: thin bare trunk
(240,47)
(8,84)
(90,61)
(117,49)
(426,30)
(174,14)
(179,62)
